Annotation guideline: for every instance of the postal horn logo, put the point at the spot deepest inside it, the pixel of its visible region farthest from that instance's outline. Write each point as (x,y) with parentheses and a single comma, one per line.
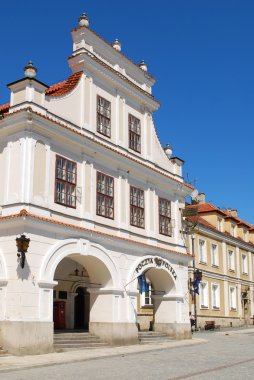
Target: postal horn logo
(158,262)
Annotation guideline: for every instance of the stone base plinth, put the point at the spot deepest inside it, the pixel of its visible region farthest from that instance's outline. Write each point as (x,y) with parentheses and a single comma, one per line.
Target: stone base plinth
(174,330)
(26,338)
(116,334)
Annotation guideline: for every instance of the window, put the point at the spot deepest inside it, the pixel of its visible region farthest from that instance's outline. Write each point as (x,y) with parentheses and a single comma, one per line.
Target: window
(244,264)
(232,229)
(146,297)
(232,298)
(214,255)
(134,133)
(103,116)
(164,217)
(65,182)
(137,207)
(202,253)
(215,296)
(203,288)
(105,196)
(219,224)
(231,260)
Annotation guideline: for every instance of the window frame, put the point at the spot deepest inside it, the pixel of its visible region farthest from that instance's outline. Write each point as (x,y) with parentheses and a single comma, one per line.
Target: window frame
(215,295)
(214,255)
(103,116)
(144,296)
(204,295)
(65,182)
(105,196)
(244,263)
(202,260)
(138,208)
(166,218)
(134,135)
(230,262)
(234,303)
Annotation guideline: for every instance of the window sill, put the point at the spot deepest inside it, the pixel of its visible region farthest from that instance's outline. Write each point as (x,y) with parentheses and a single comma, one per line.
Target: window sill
(232,309)
(203,262)
(245,273)
(216,308)
(204,307)
(215,266)
(231,270)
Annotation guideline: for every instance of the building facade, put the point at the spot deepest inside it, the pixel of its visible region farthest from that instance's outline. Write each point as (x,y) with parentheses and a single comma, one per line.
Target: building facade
(88,182)
(224,252)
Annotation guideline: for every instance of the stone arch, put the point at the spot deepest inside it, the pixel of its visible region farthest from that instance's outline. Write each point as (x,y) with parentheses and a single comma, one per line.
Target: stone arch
(79,247)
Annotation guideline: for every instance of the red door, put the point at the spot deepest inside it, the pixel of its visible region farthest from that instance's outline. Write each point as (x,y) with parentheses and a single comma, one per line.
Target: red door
(59,314)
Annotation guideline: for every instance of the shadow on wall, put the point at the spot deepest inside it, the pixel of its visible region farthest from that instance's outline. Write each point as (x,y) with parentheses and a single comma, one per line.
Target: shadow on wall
(23,273)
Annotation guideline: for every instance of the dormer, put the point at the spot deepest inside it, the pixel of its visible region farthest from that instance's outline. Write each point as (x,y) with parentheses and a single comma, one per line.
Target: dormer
(251,235)
(209,212)
(231,222)
(243,231)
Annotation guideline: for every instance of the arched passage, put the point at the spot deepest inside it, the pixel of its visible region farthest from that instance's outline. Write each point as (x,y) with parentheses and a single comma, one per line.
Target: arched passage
(163,310)
(72,268)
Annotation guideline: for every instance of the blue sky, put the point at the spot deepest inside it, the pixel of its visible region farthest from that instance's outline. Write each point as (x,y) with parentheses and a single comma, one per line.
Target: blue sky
(202,55)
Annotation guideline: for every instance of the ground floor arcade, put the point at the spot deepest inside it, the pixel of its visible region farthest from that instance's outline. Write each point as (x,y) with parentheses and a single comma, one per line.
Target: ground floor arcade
(75,282)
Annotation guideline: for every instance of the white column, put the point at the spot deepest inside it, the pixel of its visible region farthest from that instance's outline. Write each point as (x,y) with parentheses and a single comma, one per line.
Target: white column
(72,310)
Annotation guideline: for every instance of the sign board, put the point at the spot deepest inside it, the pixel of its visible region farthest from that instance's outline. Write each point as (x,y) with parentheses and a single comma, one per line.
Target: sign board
(192,211)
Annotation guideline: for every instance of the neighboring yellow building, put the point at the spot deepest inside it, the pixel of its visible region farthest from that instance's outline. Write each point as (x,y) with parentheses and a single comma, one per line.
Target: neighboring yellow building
(224,252)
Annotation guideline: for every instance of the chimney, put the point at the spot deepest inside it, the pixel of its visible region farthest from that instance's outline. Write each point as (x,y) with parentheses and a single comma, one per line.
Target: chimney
(199,199)
(232,212)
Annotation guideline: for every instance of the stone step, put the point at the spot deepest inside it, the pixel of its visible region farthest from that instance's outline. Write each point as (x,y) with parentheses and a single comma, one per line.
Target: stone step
(81,345)
(75,338)
(152,337)
(155,335)
(77,348)
(76,341)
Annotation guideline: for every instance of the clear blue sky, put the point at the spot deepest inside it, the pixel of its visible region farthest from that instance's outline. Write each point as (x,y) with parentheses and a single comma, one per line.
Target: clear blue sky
(200,51)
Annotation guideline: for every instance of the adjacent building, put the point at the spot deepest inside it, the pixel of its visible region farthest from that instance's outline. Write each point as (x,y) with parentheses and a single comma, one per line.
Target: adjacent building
(86,180)
(224,253)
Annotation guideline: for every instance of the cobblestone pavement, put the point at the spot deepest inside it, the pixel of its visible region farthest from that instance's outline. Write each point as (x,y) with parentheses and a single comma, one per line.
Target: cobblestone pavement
(214,355)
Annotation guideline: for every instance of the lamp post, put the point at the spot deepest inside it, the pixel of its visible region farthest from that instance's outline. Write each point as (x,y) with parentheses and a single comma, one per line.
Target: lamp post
(194,270)
(22,245)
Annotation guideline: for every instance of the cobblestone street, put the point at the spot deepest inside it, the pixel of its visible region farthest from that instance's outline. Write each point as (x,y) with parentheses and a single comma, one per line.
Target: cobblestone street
(220,355)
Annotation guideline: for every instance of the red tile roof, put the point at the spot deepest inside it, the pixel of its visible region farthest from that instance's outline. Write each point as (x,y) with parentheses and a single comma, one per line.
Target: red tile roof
(4,108)
(206,207)
(63,88)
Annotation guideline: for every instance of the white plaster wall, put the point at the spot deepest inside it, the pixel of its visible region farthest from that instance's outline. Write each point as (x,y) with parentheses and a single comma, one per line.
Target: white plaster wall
(68,106)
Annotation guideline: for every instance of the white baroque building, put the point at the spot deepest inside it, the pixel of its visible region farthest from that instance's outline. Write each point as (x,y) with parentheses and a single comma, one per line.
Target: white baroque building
(88,182)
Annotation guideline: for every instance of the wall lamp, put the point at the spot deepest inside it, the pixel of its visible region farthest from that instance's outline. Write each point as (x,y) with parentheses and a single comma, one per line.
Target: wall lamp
(22,245)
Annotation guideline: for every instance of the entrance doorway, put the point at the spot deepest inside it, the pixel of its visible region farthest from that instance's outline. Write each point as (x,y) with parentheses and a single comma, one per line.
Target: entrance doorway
(81,309)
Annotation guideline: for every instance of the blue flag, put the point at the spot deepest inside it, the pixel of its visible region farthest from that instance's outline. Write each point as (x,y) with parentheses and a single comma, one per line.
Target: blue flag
(143,285)
(196,285)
